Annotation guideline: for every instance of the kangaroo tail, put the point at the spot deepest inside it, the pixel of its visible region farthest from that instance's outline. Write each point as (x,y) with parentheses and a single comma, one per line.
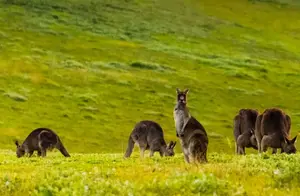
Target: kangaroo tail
(129,147)
(199,155)
(62,149)
(236,127)
(198,148)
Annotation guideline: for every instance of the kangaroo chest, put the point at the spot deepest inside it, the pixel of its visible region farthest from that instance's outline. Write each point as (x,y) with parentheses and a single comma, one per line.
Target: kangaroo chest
(180,118)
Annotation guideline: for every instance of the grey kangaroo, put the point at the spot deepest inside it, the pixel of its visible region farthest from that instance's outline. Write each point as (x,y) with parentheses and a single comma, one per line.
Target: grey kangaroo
(40,140)
(244,125)
(191,133)
(273,130)
(149,135)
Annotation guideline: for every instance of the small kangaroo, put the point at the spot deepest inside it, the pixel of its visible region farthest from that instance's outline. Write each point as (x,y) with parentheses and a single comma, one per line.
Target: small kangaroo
(191,133)
(149,135)
(40,140)
(273,130)
(244,125)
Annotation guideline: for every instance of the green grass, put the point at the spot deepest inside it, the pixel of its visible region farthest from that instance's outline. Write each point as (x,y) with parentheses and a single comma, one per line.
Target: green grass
(91,69)
(110,174)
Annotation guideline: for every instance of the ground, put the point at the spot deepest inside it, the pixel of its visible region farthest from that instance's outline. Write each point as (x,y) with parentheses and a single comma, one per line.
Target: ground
(110,174)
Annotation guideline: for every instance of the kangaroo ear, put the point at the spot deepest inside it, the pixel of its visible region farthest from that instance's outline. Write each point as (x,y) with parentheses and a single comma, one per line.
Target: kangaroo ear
(177,90)
(186,91)
(174,144)
(293,140)
(170,144)
(252,131)
(287,140)
(17,143)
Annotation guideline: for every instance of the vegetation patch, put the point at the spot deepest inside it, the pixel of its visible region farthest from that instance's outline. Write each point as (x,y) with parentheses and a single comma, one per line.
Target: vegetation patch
(149,66)
(84,173)
(16,96)
(126,58)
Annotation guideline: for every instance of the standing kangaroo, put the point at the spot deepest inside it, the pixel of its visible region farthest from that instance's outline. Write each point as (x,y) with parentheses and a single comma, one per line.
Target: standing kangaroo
(244,125)
(191,133)
(40,140)
(273,130)
(149,135)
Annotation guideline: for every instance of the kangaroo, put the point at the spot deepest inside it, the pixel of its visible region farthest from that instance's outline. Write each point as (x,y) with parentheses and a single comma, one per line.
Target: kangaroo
(149,135)
(244,125)
(273,130)
(40,140)
(191,133)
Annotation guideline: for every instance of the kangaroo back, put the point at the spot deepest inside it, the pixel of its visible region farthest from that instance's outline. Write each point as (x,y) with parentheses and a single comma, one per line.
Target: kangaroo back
(274,121)
(194,124)
(47,139)
(31,141)
(140,132)
(155,135)
(247,119)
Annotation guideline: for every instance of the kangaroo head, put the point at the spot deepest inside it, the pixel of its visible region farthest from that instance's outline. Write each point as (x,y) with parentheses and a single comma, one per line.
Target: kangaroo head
(289,145)
(181,95)
(20,150)
(170,149)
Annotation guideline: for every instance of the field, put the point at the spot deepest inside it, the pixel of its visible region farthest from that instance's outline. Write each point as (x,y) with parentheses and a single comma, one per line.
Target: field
(91,69)
(109,174)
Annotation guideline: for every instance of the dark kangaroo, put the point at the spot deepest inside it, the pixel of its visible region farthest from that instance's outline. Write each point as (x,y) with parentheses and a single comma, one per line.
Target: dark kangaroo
(40,140)
(149,135)
(191,133)
(244,125)
(273,130)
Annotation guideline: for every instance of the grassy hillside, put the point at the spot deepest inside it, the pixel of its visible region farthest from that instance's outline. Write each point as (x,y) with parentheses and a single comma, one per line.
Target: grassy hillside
(91,69)
(109,174)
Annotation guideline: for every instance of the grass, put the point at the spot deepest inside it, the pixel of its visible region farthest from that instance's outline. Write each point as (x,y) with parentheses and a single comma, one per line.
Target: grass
(110,174)
(92,69)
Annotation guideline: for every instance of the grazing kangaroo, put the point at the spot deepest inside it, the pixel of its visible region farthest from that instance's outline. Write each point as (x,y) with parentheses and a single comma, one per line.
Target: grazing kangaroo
(273,130)
(149,135)
(40,140)
(244,125)
(191,133)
